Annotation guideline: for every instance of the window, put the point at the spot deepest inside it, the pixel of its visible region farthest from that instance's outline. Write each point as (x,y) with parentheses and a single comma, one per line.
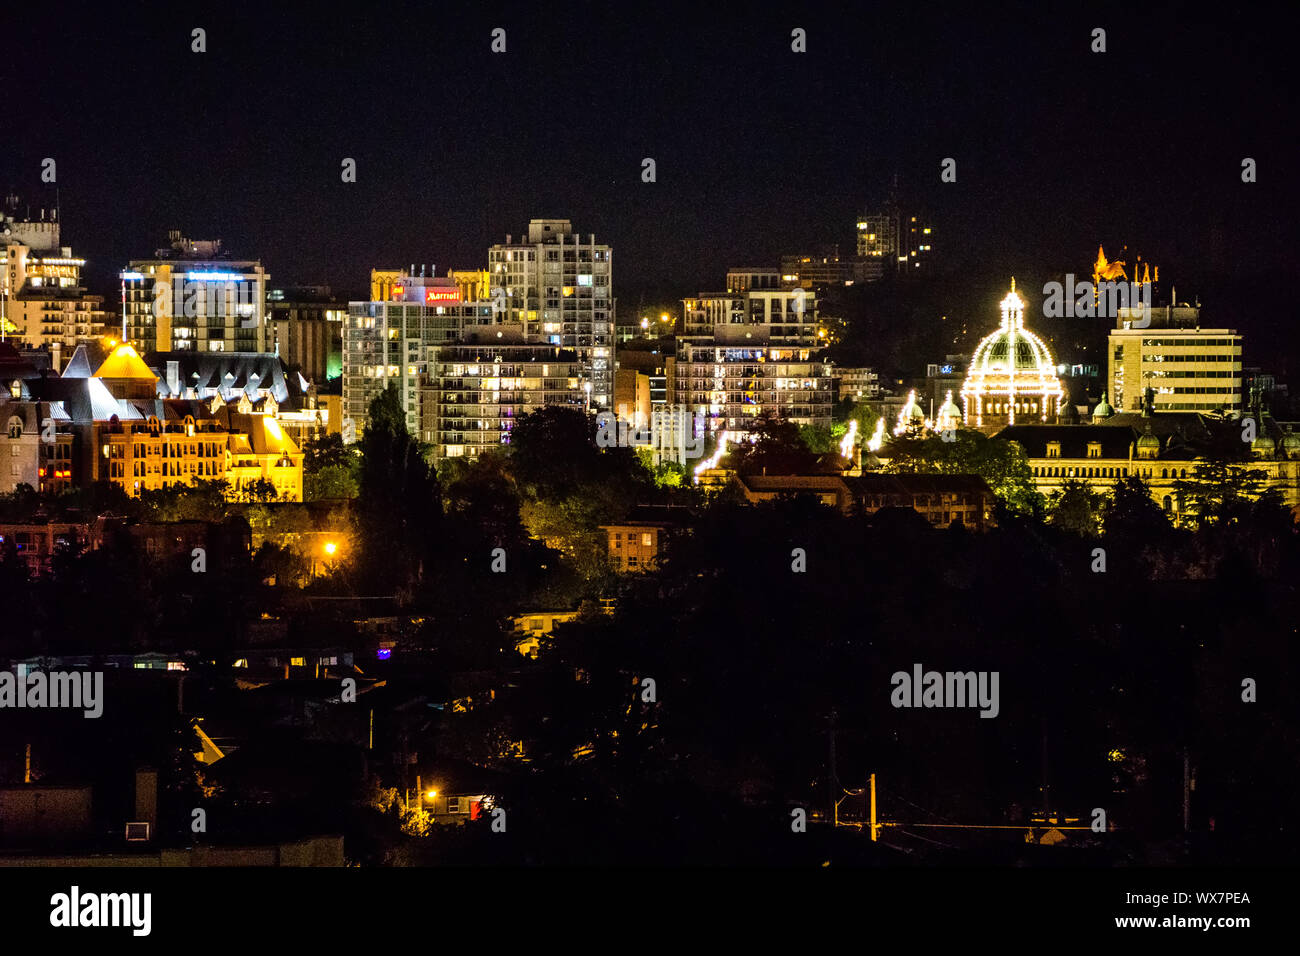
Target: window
(15,427)
(1053,449)
(1094,449)
(453,805)
(297,661)
(647,539)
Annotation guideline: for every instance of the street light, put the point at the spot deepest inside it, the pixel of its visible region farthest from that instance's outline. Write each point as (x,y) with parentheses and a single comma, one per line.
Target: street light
(330,547)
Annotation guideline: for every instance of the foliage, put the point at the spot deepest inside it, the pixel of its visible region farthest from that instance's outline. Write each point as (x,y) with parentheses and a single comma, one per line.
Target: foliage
(1002,464)
(399,511)
(1076,508)
(778,449)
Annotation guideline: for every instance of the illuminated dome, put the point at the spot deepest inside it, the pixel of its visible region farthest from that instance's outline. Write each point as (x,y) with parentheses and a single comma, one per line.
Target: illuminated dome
(911,419)
(1103,410)
(949,414)
(1011,377)
(1291,443)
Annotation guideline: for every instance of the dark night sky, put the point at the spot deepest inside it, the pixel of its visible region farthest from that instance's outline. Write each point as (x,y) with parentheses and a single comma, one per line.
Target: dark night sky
(759,150)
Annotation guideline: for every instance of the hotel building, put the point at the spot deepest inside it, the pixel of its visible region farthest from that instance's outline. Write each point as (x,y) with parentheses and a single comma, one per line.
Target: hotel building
(192,296)
(43,302)
(117,428)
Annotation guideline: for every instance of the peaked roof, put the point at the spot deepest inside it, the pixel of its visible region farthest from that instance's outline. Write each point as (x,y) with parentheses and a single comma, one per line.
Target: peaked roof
(79,364)
(125,362)
(223,373)
(76,399)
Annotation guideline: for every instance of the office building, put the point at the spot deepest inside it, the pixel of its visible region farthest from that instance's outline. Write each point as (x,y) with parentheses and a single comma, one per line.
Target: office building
(1190,369)
(307,331)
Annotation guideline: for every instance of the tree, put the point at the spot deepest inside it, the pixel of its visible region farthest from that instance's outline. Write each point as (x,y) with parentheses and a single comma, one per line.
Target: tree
(1076,508)
(400,506)
(553,450)
(1132,514)
(1219,492)
(1001,463)
(331,469)
(201,500)
(778,449)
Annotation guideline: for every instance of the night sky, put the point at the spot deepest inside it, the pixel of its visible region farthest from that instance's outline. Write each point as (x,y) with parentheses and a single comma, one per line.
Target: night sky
(760,151)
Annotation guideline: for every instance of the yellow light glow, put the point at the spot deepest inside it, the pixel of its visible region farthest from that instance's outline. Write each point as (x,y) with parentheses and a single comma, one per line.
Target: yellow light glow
(846,443)
(429,795)
(330,547)
(877,438)
(712,460)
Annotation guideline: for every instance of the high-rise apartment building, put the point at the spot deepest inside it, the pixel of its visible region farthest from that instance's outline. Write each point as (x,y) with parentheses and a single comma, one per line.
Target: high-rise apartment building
(194,296)
(898,240)
(750,354)
(559,290)
(473,393)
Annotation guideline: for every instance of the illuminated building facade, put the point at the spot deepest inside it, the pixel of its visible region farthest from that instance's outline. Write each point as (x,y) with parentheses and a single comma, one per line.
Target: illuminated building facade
(307,331)
(387,340)
(1161,448)
(24,458)
(897,241)
(192,296)
(878,238)
(826,268)
(43,302)
(856,384)
(473,394)
(1011,376)
(559,290)
(744,278)
(1189,369)
(116,428)
(750,354)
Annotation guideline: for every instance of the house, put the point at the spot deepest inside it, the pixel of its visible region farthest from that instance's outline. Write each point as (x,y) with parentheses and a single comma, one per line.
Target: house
(531,626)
(455,792)
(635,543)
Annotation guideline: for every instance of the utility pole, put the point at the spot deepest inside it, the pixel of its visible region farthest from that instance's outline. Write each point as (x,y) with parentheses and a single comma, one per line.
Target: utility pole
(874,827)
(833,784)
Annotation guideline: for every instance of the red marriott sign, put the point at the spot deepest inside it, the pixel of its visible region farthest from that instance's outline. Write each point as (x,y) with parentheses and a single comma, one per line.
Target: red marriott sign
(442,295)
